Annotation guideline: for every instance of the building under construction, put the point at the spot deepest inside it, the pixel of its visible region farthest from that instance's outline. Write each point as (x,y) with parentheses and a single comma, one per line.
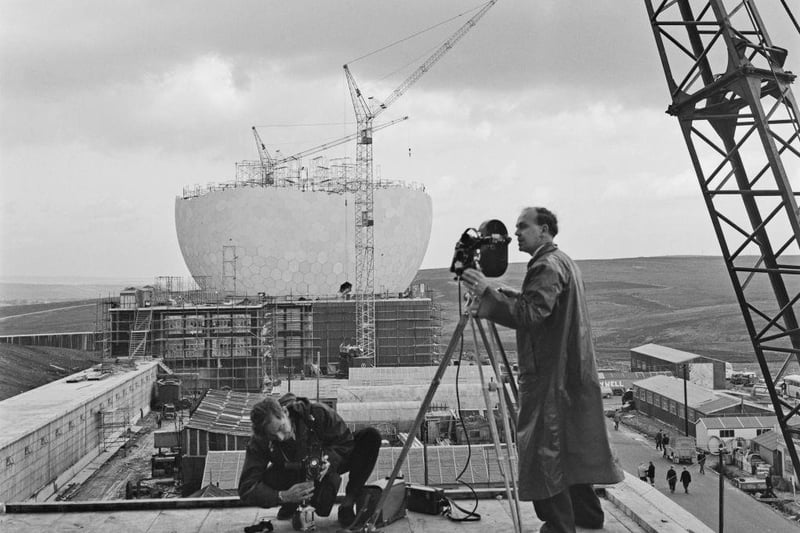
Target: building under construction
(244,343)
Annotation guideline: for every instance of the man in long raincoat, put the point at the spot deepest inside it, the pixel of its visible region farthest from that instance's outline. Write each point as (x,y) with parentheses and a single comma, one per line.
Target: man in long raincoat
(561,434)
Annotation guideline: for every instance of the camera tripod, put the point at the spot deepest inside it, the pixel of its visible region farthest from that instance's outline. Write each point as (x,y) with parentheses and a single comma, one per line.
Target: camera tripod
(506,403)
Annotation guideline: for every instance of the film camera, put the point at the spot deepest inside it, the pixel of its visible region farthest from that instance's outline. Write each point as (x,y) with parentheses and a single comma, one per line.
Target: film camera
(485,249)
(311,467)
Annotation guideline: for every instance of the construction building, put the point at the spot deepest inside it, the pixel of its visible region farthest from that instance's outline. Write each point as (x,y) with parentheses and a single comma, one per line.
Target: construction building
(244,343)
(53,431)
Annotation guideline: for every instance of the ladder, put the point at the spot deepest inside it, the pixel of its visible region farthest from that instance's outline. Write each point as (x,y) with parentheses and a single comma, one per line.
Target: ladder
(141,327)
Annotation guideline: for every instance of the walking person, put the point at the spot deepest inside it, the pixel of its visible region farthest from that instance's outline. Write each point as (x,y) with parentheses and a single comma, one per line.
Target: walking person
(616,420)
(664,443)
(658,439)
(701,461)
(672,479)
(642,471)
(686,478)
(651,473)
(561,431)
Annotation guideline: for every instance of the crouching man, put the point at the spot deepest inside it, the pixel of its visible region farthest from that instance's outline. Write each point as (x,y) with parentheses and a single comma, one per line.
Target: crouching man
(296,454)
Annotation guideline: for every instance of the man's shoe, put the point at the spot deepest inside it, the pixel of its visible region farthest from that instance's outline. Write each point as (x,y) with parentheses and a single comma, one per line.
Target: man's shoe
(346,515)
(286,511)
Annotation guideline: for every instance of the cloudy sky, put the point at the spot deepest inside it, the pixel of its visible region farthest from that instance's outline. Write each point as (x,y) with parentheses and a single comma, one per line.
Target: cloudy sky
(108,109)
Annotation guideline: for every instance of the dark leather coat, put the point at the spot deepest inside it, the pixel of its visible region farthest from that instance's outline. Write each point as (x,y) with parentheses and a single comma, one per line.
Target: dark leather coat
(318,430)
(561,435)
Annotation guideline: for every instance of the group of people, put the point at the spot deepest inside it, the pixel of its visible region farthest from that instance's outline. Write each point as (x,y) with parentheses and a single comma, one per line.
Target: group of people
(647,473)
(672,479)
(561,433)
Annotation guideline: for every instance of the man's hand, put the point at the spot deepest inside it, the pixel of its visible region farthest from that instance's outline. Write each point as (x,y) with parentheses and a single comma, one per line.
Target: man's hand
(477,283)
(475,280)
(297,492)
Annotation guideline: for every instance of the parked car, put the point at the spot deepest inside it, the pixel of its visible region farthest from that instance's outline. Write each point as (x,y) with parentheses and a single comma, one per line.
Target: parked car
(681,450)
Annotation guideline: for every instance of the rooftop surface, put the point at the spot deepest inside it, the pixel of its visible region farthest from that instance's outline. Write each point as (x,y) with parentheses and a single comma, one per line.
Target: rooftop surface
(667,354)
(698,397)
(630,507)
(34,409)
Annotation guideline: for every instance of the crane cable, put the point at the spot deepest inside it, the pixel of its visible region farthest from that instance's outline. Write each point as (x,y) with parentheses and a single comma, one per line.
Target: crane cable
(412,36)
(791,16)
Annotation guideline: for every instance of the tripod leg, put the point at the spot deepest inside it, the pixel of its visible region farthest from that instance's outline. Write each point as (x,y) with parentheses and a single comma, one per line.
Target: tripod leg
(499,344)
(426,402)
(506,466)
(498,375)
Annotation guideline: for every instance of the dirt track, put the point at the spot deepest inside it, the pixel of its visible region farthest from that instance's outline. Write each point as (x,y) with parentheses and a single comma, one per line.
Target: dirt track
(129,464)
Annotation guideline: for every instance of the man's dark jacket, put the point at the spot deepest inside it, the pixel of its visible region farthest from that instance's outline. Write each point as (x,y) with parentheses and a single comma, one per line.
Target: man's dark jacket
(561,431)
(317,430)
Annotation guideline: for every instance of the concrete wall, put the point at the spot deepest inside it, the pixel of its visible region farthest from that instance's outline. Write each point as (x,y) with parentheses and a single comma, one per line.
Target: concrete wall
(33,463)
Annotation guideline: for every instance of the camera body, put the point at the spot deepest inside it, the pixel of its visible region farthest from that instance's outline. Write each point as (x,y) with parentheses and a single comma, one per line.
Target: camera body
(484,249)
(312,466)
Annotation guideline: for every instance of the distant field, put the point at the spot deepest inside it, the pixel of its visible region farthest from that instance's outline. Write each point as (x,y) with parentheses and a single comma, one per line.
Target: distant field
(686,303)
(60,317)
(683,302)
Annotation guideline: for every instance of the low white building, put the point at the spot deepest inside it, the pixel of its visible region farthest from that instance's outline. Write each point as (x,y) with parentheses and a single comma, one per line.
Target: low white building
(727,428)
(51,432)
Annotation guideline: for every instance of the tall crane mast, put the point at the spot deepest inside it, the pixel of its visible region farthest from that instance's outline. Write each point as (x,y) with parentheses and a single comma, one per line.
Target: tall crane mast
(739,119)
(365,184)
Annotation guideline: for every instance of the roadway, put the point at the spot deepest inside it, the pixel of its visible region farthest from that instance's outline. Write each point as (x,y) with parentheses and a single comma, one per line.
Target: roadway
(742,513)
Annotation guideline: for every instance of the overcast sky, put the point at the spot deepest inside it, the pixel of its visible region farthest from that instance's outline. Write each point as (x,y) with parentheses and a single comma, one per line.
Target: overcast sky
(108,109)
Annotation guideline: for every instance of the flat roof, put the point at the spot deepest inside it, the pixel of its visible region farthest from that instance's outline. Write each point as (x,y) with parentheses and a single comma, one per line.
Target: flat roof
(30,411)
(666,353)
(697,397)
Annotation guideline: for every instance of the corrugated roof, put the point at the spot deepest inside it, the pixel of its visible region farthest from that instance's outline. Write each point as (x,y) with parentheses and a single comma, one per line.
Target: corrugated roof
(444,464)
(739,422)
(383,377)
(469,394)
(699,398)
(225,412)
(667,354)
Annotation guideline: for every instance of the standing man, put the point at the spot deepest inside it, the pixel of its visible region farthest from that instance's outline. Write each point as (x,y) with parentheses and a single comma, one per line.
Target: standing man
(561,431)
(287,434)
(664,443)
(651,473)
(672,478)
(686,478)
(701,461)
(658,440)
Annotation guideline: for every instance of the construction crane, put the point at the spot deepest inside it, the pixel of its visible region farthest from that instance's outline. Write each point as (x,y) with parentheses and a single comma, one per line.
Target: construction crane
(365,185)
(739,119)
(269,164)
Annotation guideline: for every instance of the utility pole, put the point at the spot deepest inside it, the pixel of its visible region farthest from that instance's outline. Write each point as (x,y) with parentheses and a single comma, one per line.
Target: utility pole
(685,403)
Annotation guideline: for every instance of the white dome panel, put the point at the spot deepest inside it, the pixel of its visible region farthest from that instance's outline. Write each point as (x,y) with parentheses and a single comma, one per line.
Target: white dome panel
(286,231)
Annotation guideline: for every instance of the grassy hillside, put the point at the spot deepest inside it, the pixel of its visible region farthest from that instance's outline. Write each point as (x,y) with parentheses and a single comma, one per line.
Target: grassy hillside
(682,302)
(686,303)
(57,317)
(26,367)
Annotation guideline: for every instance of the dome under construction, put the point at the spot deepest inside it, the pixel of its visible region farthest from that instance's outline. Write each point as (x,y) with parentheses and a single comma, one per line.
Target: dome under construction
(293,231)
